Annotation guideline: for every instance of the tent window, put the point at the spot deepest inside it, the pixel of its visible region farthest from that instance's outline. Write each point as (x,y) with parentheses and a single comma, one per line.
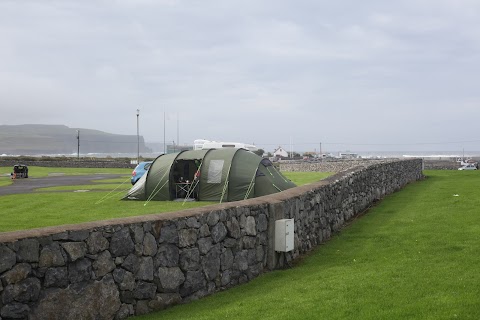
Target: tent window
(215,171)
(259,174)
(266,162)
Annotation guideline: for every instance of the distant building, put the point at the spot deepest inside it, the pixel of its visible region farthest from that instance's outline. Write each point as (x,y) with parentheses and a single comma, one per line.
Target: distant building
(280,153)
(348,155)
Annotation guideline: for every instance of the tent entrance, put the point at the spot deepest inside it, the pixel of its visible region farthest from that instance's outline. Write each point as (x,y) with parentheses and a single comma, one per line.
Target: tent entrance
(184,183)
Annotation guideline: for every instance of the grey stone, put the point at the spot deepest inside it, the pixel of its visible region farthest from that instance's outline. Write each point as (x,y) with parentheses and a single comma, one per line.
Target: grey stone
(121,243)
(131,263)
(103,264)
(145,269)
(204,231)
(226,260)
(164,300)
(56,277)
(170,278)
(149,245)
(15,311)
(211,264)
(142,308)
(253,271)
(169,234)
(226,278)
(213,218)
(219,232)
(194,281)
(233,228)
(60,236)
(243,221)
(78,235)
(18,273)
(138,234)
(138,249)
(262,223)
(7,258)
(51,256)
(28,250)
(223,215)
(190,259)
(24,291)
(167,256)
(79,270)
(75,250)
(192,222)
(260,253)
(97,300)
(249,242)
(250,226)
(124,279)
(187,237)
(125,311)
(252,257)
(144,290)
(230,243)
(204,245)
(97,242)
(241,260)
(127,297)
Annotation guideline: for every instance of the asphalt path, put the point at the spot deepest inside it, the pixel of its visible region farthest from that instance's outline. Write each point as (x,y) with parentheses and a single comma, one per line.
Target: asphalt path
(28,185)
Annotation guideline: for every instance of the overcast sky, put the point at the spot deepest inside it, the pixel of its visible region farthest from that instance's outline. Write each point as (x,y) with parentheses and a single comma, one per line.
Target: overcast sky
(354,75)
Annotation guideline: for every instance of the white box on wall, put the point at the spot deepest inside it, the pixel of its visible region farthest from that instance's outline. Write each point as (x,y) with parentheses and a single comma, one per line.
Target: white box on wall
(284,235)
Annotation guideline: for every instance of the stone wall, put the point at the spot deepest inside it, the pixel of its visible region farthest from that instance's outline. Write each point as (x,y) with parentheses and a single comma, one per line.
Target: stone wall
(118,268)
(342,165)
(329,165)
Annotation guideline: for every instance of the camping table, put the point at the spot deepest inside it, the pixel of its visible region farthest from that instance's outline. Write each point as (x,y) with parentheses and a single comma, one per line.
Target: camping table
(182,186)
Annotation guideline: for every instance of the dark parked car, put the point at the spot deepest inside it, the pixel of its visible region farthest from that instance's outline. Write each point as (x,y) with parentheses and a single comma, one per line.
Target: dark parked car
(139,171)
(19,171)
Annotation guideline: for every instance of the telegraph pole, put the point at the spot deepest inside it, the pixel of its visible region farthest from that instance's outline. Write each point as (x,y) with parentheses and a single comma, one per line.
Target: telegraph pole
(164,142)
(138,137)
(78,144)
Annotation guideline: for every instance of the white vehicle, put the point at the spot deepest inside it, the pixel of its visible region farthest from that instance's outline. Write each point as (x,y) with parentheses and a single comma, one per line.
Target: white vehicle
(201,144)
(470,166)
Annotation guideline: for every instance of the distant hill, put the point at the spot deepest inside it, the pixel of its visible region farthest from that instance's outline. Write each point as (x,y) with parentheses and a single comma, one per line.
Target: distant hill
(31,139)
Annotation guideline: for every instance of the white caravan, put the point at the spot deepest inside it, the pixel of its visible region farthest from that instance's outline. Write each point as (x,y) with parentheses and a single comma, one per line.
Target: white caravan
(207,144)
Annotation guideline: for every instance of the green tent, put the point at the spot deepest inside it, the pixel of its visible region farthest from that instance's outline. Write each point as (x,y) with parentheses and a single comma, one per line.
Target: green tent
(227,174)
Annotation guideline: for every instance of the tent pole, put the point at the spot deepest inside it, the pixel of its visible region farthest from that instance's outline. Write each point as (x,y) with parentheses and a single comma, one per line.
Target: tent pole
(225,186)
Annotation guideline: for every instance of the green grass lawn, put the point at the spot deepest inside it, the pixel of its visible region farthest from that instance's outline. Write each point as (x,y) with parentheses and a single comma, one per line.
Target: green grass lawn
(415,255)
(48,207)
(301,178)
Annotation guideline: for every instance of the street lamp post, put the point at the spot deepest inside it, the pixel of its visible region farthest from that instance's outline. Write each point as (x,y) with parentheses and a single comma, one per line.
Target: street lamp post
(138,137)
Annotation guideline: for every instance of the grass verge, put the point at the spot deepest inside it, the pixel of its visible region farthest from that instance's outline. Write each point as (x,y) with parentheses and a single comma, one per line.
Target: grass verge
(414,256)
(50,207)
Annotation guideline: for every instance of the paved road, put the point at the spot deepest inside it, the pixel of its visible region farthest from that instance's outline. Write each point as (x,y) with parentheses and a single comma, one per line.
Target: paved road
(30,184)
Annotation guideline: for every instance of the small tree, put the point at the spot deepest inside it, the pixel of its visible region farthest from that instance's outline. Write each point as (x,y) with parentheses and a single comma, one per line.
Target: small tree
(259,152)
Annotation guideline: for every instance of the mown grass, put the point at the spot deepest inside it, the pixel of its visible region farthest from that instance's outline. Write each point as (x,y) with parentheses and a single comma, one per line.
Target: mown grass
(48,207)
(414,256)
(53,208)
(301,178)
